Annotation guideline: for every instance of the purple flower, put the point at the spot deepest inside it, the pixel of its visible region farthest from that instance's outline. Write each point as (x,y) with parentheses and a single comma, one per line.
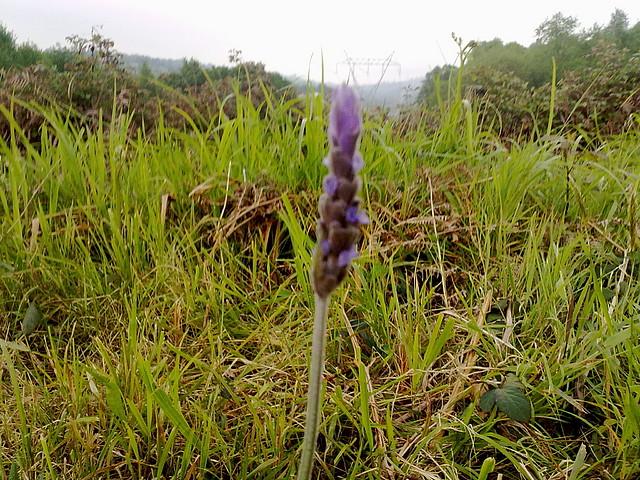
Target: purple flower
(340,214)
(357,163)
(344,120)
(330,185)
(356,216)
(345,257)
(351,214)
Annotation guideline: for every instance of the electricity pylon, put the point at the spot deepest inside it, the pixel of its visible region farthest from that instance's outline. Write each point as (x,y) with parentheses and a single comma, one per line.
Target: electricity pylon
(382,63)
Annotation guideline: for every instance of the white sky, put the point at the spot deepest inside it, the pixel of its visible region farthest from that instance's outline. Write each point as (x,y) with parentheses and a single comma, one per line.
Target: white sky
(292,36)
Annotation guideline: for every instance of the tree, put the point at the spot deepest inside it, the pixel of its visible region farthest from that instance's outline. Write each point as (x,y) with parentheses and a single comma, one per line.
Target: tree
(191,74)
(26,55)
(59,58)
(147,78)
(7,47)
(617,30)
(556,29)
(539,59)
(145,70)
(437,76)
(509,58)
(557,38)
(14,55)
(96,52)
(634,38)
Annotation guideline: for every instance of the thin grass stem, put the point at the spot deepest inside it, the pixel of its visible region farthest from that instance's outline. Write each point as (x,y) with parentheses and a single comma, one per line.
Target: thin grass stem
(315,387)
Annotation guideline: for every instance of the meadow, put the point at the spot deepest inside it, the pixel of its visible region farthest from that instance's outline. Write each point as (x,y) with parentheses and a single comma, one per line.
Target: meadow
(156,309)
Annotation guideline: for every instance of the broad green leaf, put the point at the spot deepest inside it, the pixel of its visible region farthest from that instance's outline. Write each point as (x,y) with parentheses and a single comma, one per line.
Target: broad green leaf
(488,400)
(172,411)
(31,320)
(494,316)
(513,403)
(512,382)
(608,294)
(617,338)
(510,400)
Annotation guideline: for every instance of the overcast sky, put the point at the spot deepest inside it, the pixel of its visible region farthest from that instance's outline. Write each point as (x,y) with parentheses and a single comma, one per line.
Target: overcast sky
(293,36)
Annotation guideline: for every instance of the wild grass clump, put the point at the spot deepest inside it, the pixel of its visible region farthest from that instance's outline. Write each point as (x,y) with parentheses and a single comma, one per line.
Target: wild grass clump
(172,273)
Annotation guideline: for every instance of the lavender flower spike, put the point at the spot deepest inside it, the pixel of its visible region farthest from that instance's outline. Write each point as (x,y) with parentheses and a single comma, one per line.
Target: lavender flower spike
(340,215)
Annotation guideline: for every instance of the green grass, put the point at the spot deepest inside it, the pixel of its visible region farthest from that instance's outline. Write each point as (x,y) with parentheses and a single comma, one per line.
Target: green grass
(172,272)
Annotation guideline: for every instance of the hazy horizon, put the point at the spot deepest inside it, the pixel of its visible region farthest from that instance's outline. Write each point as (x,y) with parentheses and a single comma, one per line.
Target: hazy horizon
(293,41)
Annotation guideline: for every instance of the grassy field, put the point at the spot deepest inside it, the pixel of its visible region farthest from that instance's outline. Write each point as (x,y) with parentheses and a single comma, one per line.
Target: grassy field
(172,274)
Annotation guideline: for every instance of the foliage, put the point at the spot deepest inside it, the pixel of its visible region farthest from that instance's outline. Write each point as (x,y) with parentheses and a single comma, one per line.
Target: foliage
(90,79)
(557,29)
(511,84)
(603,97)
(509,58)
(12,54)
(506,103)
(509,398)
(95,53)
(429,91)
(160,269)
(171,272)
(599,100)
(193,74)
(59,58)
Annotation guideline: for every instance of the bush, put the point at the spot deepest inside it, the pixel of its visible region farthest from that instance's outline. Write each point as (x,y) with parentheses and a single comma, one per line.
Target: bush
(94,85)
(600,98)
(506,102)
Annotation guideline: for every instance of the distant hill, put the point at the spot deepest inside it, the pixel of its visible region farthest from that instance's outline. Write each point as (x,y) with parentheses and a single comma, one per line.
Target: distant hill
(134,63)
(384,95)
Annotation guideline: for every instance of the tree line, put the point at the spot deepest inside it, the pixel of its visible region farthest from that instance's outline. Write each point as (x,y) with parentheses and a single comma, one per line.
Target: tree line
(596,72)
(88,78)
(584,79)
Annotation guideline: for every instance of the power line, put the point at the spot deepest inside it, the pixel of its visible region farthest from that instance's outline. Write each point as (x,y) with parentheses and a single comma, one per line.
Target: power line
(382,63)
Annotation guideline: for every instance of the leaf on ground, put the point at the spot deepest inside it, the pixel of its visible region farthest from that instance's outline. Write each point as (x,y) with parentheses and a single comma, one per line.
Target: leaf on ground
(514,404)
(510,400)
(607,293)
(512,382)
(488,400)
(31,320)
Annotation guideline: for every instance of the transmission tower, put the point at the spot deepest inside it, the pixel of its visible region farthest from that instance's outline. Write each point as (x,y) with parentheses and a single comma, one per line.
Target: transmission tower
(382,63)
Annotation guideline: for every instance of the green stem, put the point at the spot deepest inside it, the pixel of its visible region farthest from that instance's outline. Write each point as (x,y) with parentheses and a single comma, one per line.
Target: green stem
(315,388)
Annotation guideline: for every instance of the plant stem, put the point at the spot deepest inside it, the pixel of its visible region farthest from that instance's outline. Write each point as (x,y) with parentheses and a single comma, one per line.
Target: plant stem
(315,387)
